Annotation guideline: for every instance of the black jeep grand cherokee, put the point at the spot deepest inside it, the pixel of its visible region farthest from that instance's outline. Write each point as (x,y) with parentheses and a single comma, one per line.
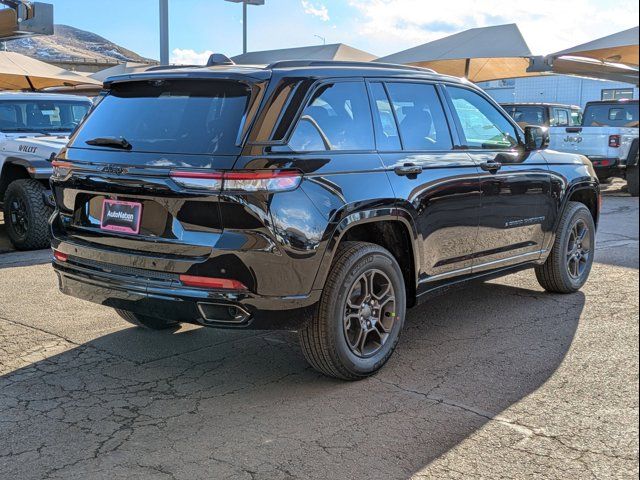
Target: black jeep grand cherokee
(320,197)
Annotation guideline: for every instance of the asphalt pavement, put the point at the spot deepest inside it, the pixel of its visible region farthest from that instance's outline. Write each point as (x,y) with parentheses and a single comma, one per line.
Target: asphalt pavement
(499,380)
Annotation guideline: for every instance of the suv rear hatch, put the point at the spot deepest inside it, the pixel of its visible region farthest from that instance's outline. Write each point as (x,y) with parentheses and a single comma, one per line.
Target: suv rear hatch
(114,186)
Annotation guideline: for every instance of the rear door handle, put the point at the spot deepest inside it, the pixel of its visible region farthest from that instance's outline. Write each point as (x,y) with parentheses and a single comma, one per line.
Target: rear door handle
(408,169)
(491,166)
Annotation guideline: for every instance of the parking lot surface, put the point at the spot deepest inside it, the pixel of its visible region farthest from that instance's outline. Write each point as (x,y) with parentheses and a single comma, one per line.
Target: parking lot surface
(499,380)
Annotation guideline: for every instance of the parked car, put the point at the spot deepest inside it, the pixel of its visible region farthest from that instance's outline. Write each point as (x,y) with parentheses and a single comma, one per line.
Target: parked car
(544,114)
(608,136)
(33,126)
(320,197)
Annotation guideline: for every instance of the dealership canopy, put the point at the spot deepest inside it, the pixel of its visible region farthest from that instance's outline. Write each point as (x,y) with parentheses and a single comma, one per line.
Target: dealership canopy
(621,47)
(19,72)
(120,69)
(479,54)
(338,51)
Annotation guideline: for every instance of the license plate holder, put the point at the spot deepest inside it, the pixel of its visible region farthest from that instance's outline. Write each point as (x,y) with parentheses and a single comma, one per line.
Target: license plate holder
(121,217)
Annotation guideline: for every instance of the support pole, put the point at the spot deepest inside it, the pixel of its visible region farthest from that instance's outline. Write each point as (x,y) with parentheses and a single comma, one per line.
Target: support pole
(244,27)
(164,32)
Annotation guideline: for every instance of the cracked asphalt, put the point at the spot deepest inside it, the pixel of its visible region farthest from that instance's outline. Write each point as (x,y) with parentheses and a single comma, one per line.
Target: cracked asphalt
(499,380)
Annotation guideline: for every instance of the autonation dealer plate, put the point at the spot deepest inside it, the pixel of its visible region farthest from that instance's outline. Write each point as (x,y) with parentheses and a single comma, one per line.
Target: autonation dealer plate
(120,216)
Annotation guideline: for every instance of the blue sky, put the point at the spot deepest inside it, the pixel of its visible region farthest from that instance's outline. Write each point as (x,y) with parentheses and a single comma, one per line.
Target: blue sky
(378,26)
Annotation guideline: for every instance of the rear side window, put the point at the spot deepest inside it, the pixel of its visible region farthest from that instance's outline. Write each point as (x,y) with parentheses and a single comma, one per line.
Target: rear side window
(384,120)
(562,117)
(525,115)
(607,115)
(482,124)
(338,118)
(423,125)
(167,116)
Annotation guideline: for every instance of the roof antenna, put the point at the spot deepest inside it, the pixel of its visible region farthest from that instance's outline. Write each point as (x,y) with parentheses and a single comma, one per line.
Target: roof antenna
(217,59)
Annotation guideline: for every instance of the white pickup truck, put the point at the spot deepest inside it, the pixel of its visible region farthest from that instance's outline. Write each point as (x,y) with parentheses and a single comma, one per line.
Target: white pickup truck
(33,127)
(608,137)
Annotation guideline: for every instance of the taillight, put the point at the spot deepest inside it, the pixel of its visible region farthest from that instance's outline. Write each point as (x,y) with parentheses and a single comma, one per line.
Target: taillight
(244,181)
(212,283)
(198,180)
(61,169)
(59,256)
(614,141)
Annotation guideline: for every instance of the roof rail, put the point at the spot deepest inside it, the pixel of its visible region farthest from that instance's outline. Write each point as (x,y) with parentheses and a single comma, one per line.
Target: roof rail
(341,63)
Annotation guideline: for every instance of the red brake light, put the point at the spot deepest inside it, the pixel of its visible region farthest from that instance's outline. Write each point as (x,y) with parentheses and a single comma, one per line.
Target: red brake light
(59,256)
(213,283)
(614,141)
(246,181)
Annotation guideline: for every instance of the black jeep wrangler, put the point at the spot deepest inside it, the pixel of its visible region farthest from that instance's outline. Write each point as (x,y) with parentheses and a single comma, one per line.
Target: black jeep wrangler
(321,197)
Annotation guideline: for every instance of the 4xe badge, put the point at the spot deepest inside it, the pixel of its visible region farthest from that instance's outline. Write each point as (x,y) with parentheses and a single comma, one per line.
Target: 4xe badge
(27,149)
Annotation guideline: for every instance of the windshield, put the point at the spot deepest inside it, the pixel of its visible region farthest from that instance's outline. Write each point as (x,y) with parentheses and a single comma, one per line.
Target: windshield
(41,116)
(169,116)
(527,115)
(611,115)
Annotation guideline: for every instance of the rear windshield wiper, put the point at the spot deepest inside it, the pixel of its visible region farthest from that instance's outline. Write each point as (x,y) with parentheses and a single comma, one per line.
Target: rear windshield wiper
(113,142)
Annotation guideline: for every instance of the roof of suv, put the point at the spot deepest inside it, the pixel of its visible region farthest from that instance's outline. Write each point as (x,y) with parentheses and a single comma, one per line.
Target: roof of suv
(41,96)
(537,104)
(302,68)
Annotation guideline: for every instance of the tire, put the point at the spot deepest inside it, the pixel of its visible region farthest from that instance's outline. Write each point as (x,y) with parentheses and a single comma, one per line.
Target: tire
(152,323)
(329,340)
(632,180)
(26,215)
(555,275)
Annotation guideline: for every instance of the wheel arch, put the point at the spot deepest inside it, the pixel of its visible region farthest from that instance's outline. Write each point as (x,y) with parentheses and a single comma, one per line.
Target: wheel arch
(13,168)
(390,228)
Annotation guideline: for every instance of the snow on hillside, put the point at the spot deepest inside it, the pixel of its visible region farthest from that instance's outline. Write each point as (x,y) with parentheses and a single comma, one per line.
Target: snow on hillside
(69,42)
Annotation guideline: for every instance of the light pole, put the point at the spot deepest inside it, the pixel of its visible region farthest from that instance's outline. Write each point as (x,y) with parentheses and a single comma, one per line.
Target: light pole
(164,32)
(244,18)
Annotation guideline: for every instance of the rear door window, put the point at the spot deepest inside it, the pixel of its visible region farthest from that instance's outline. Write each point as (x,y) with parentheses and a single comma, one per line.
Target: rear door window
(423,125)
(168,116)
(387,136)
(338,117)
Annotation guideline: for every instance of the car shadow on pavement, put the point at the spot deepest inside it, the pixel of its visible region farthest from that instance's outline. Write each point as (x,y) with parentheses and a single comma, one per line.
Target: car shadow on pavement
(238,402)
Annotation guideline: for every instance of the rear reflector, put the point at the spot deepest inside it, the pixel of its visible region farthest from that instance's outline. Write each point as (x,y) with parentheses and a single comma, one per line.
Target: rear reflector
(243,181)
(213,283)
(59,256)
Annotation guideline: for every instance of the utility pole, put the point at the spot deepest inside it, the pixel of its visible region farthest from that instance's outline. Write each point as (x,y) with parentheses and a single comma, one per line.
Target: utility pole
(164,32)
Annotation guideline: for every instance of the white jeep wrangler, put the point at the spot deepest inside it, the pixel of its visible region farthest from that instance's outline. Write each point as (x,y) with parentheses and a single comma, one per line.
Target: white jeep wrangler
(33,127)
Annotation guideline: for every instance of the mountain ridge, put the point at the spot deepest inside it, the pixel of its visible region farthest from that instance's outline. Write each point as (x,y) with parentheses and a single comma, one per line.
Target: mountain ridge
(69,43)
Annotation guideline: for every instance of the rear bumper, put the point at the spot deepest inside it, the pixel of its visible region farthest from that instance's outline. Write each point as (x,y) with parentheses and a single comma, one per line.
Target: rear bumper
(606,167)
(167,298)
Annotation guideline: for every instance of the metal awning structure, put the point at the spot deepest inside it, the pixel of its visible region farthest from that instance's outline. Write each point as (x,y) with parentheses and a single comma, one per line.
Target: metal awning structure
(120,69)
(619,48)
(19,72)
(614,57)
(479,54)
(338,51)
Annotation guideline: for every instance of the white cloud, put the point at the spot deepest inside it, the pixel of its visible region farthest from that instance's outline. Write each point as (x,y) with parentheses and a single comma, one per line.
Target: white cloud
(317,10)
(187,56)
(547,25)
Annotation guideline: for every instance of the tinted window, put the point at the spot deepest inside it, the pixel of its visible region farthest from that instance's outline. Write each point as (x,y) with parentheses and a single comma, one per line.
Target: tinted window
(191,117)
(384,120)
(562,117)
(576,118)
(423,125)
(338,117)
(618,115)
(483,126)
(524,115)
(41,116)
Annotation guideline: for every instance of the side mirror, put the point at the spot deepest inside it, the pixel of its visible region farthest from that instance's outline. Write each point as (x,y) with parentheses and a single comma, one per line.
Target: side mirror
(536,138)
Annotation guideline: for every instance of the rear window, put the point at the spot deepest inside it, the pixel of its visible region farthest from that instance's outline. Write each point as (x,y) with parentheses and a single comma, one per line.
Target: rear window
(611,115)
(41,116)
(165,116)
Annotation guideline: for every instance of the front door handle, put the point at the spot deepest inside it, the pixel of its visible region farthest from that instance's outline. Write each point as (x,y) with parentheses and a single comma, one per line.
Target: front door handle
(491,166)
(408,169)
